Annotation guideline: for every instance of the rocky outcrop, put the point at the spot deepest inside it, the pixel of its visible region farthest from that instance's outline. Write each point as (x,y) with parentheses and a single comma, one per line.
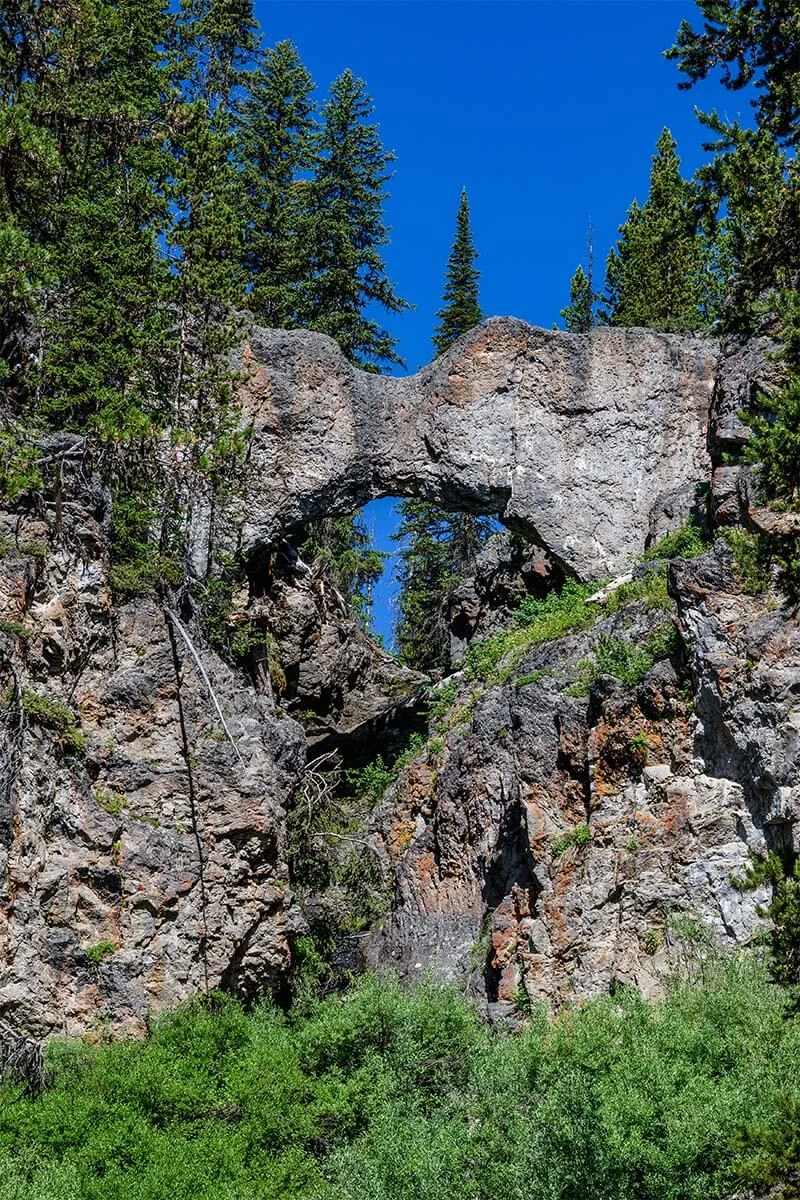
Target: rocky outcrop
(540,841)
(344,688)
(548,842)
(573,438)
(141,851)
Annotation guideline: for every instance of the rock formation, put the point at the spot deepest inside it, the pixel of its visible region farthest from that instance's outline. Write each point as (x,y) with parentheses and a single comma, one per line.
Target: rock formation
(144,779)
(673,781)
(576,439)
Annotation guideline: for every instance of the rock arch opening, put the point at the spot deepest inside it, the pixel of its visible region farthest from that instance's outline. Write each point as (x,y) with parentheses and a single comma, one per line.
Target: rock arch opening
(574,439)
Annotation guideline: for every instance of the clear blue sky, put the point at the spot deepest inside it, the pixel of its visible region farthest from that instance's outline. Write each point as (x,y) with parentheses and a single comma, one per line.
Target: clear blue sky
(547,111)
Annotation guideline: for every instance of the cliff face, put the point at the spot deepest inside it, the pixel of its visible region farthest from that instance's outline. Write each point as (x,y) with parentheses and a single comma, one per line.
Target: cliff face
(668,784)
(144,780)
(140,852)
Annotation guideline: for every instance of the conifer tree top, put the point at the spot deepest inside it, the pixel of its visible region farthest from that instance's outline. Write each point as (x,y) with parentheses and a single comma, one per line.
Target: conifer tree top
(460,310)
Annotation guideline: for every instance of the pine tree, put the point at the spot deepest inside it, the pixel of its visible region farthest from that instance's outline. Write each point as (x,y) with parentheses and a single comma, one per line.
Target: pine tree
(755,43)
(346,229)
(655,275)
(438,548)
(460,310)
(274,127)
(578,316)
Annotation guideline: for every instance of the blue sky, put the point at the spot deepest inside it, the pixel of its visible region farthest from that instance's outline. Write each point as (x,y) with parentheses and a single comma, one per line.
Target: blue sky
(547,111)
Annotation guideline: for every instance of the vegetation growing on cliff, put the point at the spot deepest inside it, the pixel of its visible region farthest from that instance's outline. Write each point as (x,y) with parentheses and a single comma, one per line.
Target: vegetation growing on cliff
(384,1093)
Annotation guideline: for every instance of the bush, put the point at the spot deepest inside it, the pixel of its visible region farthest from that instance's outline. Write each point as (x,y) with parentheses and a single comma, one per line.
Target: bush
(625,660)
(388,1094)
(581,835)
(688,541)
(57,717)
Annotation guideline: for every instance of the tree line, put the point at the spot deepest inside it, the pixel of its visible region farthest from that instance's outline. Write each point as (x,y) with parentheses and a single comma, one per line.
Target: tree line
(163,172)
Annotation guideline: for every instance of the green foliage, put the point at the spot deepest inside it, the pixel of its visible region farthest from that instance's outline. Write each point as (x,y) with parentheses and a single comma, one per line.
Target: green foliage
(751,558)
(274,146)
(19,467)
(627,661)
(96,954)
(774,444)
(372,780)
(386,1094)
(530,678)
(55,716)
(578,316)
(639,748)
(443,697)
(344,545)
(579,835)
(461,310)
(495,658)
(782,873)
(112,802)
(751,43)
(346,230)
(655,274)
(688,541)
(437,549)
(767,1152)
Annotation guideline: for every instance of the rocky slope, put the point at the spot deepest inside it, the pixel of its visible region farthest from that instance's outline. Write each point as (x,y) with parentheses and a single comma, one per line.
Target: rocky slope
(145,777)
(545,844)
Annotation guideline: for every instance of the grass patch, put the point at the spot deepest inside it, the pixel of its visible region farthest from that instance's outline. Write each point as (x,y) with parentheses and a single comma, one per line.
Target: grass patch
(751,559)
(688,541)
(55,716)
(624,660)
(110,801)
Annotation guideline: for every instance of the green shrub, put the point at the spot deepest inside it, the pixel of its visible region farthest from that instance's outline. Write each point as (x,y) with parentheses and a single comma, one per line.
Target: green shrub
(751,558)
(624,660)
(112,802)
(54,715)
(392,1094)
(688,541)
(102,950)
(580,835)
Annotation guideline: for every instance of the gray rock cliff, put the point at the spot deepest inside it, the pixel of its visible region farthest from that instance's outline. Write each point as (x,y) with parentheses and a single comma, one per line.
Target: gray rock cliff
(143,794)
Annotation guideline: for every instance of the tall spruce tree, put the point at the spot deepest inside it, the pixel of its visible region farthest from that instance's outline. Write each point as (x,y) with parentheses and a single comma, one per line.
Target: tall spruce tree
(438,548)
(81,136)
(656,273)
(274,133)
(460,310)
(346,229)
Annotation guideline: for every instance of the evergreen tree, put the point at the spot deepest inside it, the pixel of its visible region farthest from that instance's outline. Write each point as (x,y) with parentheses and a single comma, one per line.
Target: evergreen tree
(750,190)
(438,548)
(346,229)
(754,42)
(578,316)
(275,127)
(344,545)
(460,310)
(655,275)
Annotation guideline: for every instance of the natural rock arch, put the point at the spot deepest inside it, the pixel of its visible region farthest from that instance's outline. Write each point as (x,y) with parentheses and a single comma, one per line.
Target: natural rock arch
(579,439)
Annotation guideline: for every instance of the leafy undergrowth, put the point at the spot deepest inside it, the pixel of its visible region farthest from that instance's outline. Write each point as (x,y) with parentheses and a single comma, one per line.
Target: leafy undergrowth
(384,1094)
(495,659)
